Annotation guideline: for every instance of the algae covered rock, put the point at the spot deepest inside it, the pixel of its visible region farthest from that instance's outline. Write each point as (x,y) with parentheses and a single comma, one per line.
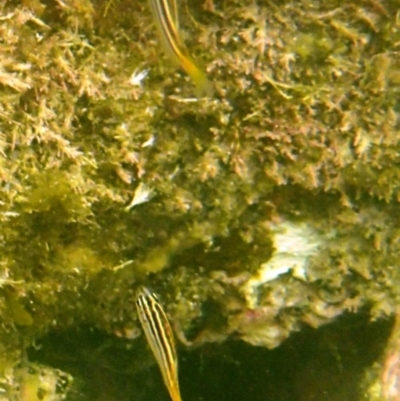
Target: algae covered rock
(34,382)
(113,175)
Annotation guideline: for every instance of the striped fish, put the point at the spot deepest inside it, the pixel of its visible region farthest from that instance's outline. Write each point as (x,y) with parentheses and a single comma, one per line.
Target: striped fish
(165,15)
(159,335)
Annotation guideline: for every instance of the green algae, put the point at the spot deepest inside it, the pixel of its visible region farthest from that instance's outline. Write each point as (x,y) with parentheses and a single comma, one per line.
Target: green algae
(304,125)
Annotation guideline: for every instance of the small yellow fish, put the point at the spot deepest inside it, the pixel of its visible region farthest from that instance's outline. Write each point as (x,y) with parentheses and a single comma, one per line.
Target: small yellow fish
(166,18)
(159,335)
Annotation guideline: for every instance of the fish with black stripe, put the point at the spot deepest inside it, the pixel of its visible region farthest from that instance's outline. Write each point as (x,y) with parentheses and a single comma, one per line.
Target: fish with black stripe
(160,337)
(165,15)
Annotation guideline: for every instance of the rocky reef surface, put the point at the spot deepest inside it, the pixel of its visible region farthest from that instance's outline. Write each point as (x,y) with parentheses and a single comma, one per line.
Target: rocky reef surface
(266,210)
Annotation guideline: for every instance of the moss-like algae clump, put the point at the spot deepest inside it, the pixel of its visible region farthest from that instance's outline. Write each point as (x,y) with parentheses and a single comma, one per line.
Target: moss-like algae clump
(304,124)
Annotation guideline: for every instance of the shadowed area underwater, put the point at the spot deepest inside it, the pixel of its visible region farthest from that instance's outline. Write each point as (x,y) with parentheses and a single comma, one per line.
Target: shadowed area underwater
(326,364)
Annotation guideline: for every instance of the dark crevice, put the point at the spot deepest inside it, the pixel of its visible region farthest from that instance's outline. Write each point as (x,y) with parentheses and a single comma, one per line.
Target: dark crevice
(325,364)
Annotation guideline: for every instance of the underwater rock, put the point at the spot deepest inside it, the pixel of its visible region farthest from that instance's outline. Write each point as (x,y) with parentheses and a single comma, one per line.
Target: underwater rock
(384,384)
(34,382)
(267,208)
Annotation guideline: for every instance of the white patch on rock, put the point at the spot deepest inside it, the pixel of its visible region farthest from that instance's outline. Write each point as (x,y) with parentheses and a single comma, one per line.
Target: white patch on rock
(294,243)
